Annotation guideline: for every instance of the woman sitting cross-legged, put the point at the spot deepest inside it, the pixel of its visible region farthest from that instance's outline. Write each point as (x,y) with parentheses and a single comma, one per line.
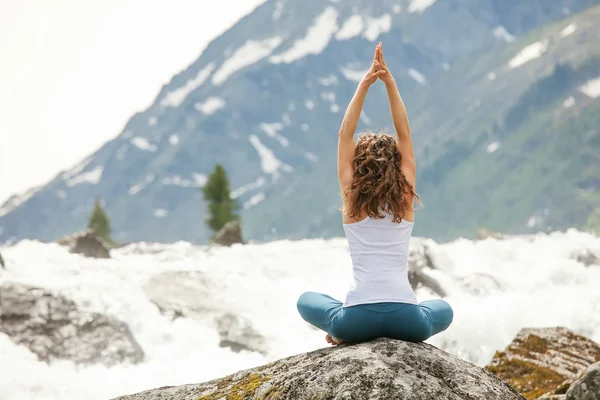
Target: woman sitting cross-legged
(377,181)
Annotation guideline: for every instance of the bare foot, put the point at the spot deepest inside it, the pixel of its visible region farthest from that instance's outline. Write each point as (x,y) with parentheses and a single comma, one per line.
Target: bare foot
(333,341)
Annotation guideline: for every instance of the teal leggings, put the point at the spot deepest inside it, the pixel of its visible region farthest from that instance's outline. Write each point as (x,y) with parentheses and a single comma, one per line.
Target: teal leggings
(365,322)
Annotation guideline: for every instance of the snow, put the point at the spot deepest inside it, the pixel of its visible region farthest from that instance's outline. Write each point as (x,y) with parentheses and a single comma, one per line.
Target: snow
(377,26)
(143,144)
(351,28)
(364,118)
(305,127)
(591,88)
(316,40)
(569,102)
(531,52)
(534,221)
(334,108)
(61,194)
(311,157)
(269,163)
(419,6)
(569,29)
(492,147)
(176,97)
(16,200)
(174,139)
(417,76)
(210,106)
(198,180)
(91,177)
(491,76)
(501,33)
(331,80)
(397,8)
(353,74)
(529,281)
(76,169)
(260,182)
(140,186)
(254,200)
(328,96)
(251,52)
(273,131)
(152,121)
(309,104)
(278,10)
(160,213)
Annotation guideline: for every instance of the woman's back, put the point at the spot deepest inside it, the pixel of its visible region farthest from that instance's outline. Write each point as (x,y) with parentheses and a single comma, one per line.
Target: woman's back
(379,251)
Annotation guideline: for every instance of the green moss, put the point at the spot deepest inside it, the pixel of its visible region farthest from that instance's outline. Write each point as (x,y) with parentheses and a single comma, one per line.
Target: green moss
(241,390)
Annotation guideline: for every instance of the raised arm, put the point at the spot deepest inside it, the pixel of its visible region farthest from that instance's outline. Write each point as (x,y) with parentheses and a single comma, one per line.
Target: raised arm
(350,122)
(400,119)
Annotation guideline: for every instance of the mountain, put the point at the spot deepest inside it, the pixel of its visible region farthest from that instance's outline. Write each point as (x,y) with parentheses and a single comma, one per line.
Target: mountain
(266,98)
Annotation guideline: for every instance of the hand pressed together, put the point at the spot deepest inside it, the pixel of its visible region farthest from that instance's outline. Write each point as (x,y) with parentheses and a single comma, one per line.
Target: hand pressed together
(376,71)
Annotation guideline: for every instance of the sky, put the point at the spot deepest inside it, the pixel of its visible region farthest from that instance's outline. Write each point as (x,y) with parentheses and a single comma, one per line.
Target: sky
(73,72)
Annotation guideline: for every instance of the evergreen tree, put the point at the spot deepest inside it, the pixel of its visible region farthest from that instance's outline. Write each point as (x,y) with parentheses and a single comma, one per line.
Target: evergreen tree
(99,222)
(221,207)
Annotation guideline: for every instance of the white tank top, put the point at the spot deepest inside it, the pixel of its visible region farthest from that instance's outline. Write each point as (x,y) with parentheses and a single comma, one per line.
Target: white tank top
(379,252)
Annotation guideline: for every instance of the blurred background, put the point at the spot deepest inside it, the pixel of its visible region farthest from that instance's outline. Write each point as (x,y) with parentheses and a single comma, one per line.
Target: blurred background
(136,134)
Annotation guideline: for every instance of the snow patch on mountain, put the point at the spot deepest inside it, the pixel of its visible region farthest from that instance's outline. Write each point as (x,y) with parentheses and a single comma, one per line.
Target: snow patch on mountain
(309,104)
(254,200)
(377,26)
(268,162)
(419,6)
(76,169)
(273,131)
(493,147)
(501,33)
(210,105)
(316,40)
(330,80)
(529,53)
(16,200)
(152,121)
(353,74)
(92,177)
(397,8)
(139,186)
(260,182)
(160,213)
(174,139)
(569,102)
(278,10)
(311,157)
(417,76)
(353,27)
(251,52)
(569,29)
(591,88)
(198,180)
(175,97)
(143,144)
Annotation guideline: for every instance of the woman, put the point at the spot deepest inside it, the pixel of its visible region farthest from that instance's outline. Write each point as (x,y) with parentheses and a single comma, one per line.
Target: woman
(377,181)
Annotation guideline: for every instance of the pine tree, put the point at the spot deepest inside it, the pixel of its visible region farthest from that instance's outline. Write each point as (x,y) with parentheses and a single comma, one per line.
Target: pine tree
(221,207)
(99,222)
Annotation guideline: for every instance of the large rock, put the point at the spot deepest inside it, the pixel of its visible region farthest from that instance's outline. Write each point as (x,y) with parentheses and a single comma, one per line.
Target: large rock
(544,361)
(1,262)
(587,387)
(587,257)
(383,369)
(230,234)
(86,243)
(420,260)
(53,328)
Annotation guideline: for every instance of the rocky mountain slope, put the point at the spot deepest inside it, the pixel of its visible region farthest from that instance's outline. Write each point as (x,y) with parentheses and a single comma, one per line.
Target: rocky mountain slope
(266,98)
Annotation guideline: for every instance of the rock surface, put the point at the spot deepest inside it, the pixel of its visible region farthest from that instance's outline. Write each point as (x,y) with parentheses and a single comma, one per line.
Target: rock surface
(420,259)
(86,243)
(587,258)
(587,387)
(230,234)
(53,328)
(1,262)
(382,369)
(544,361)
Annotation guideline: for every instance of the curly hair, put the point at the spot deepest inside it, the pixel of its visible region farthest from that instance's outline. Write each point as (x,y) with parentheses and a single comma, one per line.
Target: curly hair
(378,185)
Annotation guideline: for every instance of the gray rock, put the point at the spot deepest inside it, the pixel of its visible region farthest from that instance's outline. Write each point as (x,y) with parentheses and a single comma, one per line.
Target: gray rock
(53,328)
(587,258)
(420,260)
(382,369)
(86,243)
(588,386)
(2,262)
(230,234)
(238,334)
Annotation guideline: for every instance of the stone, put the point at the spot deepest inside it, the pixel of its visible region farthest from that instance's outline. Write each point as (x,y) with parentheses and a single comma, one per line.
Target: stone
(420,259)
(587,258)
(86,243)
(588,386)
(2,262)
(230,234)
(52,328)
(238,334)
(544,361)
(383,369)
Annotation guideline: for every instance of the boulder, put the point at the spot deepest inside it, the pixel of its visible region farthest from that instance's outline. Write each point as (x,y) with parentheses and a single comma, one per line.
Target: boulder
(53,328)
(587,387)
(420,259)
(230,234)
(1,262)
(587,258)
(86,243)
(544,361)
(383,369)
(238,334)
